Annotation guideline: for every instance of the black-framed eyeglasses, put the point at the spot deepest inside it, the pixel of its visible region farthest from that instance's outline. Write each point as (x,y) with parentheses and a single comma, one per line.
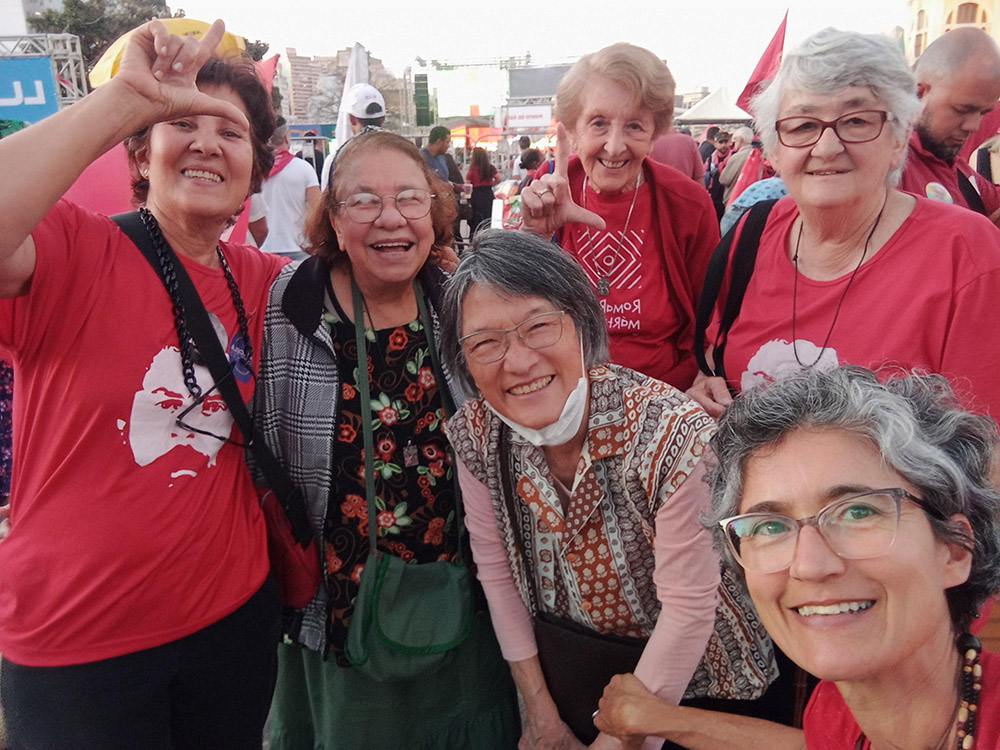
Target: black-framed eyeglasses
(206,401)
(537,332)
(854,127)
(858,527)
(365,208)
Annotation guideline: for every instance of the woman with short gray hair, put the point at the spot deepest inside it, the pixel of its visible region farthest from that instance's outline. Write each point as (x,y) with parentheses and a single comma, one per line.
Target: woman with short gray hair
(863,518)
(582,486)
(848,269)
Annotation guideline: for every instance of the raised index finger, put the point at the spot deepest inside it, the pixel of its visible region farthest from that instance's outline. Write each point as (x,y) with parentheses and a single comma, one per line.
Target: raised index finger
(561,168)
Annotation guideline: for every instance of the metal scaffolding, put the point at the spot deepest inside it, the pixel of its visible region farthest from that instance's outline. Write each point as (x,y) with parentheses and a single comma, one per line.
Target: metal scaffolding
(68,70)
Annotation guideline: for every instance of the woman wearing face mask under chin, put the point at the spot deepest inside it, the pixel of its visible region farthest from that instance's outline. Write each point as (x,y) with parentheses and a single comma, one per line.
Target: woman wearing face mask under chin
(583,488)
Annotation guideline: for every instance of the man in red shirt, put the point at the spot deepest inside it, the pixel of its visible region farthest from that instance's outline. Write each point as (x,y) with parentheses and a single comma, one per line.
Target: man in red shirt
(958,79)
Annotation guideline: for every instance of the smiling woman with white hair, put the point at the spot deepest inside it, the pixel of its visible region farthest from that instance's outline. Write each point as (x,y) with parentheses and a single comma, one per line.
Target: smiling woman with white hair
(849,269)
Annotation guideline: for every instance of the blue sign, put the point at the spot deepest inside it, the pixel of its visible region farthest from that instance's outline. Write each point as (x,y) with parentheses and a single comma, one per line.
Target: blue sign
(27,89)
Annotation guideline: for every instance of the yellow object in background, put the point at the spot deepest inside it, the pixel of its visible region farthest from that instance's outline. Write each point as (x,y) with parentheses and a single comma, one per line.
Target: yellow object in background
(107,66)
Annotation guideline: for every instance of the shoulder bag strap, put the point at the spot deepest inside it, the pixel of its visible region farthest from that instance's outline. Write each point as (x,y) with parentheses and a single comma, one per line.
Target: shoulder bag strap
(743,259)
(218,365)
(969,192)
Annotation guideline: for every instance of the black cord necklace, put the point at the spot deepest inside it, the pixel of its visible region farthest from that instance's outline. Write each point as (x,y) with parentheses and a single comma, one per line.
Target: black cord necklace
(169,276)
(836,314)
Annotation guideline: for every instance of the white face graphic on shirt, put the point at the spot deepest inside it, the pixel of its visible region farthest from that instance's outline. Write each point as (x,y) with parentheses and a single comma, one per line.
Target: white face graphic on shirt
(776,359)
(153,429)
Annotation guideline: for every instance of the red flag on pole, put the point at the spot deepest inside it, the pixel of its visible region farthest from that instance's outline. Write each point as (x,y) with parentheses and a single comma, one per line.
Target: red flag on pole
(766,68)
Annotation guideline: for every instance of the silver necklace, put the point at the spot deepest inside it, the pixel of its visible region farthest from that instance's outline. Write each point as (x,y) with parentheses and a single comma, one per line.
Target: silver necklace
(604,282)
(836,313)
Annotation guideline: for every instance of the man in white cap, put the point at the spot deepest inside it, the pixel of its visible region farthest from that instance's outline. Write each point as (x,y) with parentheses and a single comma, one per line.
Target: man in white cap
(365,111)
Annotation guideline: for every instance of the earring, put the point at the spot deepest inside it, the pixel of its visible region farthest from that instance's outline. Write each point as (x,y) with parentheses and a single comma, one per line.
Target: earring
(144,173)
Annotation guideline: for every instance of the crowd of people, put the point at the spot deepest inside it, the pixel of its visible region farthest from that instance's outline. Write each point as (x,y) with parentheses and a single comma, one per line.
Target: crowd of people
(615,480)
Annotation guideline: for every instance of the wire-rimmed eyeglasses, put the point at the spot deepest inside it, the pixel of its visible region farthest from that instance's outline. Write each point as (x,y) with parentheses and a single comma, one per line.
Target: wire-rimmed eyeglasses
(858,527)
(537,332)
(854,127)
(365,208)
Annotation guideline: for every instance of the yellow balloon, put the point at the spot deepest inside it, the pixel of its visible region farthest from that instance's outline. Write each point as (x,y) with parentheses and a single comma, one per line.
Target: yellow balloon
(107,66)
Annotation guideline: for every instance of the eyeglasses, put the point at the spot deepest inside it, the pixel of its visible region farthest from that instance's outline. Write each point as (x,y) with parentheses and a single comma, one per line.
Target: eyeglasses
(854,127)
(537,332)
(856,528)
(412,203)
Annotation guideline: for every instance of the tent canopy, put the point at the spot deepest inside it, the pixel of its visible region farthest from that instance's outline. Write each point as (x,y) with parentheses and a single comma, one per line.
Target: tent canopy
(714,109)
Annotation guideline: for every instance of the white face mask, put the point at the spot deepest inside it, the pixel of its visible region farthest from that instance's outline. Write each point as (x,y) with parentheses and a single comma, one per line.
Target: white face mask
(563,429)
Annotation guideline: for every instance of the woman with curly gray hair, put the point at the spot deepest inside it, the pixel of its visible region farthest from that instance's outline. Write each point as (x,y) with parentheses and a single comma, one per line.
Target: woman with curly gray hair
(863,518)
(845,261)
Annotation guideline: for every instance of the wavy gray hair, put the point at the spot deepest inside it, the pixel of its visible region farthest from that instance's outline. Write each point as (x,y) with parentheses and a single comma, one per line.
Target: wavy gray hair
(922,433)
(830,61)
(521,265)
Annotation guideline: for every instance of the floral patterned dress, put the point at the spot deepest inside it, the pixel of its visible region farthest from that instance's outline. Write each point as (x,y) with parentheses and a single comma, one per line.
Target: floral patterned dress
(414,475)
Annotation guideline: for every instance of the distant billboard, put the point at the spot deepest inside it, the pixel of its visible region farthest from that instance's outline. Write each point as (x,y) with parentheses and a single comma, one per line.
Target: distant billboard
(536,82)
(27,89)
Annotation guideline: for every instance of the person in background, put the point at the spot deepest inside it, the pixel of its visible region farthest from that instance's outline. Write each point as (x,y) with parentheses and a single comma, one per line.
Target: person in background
(583,484)
(730,172)
(366,111)
(290,192)
(136,609)
(958,81)
(642,232)
(846,260)
(517,172)
(437,145)
(863,517)
(707,146)
(483,176)
(713,170)
(382,228)
(678,150)
(530,161)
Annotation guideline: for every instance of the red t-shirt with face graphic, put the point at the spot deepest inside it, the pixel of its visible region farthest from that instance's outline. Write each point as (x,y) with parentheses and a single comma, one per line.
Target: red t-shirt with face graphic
(127,531)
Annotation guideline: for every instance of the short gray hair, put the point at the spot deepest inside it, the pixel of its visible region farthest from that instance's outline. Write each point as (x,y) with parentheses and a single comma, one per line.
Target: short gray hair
(830,61)
(521,264)
(919,428)
(279,135)
(744,133)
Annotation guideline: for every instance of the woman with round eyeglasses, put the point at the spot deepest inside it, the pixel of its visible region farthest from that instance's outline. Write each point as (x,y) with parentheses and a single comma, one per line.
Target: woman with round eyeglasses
(849,269)
(583,486)
(362,313)
(864,520)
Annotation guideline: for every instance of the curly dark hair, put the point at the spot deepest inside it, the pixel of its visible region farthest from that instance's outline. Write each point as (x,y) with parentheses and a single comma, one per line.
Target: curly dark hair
(238,73)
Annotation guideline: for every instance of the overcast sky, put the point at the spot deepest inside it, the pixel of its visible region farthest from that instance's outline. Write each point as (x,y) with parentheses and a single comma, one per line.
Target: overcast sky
(710,43)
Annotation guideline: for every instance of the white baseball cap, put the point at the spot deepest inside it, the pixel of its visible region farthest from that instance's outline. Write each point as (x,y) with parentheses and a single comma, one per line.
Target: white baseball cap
(364,101)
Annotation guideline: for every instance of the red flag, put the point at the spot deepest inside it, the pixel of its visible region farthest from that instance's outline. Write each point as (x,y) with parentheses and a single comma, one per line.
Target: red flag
(766,68)
(265,71)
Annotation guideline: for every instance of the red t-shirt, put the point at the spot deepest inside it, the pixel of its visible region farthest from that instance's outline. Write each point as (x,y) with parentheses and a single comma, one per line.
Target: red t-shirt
(829,725)
(126,531)
(928,176)
(654,272)
(472,176)
(927,299)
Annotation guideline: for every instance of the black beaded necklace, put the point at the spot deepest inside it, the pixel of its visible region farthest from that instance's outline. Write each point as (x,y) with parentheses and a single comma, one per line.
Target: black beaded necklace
(169,276)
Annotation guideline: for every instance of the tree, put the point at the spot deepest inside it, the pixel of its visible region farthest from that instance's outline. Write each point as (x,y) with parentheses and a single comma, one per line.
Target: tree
(257,49)
(98,23)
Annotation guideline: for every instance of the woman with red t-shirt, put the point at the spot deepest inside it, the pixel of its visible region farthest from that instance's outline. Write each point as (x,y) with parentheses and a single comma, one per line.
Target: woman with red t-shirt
(483,176)
(864,519)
